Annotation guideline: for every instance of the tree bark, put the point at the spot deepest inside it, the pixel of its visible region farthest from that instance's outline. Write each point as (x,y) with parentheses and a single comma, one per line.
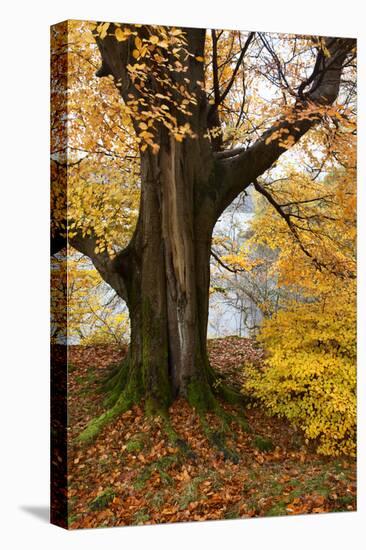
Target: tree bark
(167,278)
(166,271)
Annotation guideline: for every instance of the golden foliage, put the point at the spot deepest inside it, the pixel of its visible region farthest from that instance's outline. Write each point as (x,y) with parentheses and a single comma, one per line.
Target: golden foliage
(95,172)
(82,307)
(160,56)
(310,374)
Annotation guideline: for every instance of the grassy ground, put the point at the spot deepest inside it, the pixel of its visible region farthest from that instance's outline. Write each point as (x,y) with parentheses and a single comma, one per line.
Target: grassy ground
(131,474)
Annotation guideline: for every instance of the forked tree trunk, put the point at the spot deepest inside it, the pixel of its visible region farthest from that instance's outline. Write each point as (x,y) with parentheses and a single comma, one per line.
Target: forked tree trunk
(167,275)
(166,268)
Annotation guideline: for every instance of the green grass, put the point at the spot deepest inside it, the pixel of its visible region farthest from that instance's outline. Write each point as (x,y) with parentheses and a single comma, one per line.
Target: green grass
(190,493)
(156,499)
(278,509)
(276,488)
(71,368)
(161,465)
(232,512)
(136,444)
(103,500)
(141,516)
(263,444)
(72,518)
(345,500)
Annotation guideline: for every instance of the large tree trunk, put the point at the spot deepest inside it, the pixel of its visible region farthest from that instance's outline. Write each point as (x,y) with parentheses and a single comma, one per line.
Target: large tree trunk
(166,269)
(167,272)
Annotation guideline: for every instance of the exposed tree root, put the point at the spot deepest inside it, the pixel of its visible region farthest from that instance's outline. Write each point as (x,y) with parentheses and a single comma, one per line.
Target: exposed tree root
(124,391)
(95,426)
(114,383)
(123,394)
(204,401)
(124,402)
(176,440)
(230,395)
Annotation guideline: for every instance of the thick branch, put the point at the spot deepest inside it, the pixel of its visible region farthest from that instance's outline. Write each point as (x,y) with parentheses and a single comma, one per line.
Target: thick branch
(229,153)
(238,171)
(112,271)
(115,58)
(57,243)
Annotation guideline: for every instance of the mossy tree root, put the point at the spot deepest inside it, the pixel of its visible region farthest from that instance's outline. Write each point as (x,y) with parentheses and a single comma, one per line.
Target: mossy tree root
(115,381)
(124,402)
(175,439)
(114,388)
(231,395)
(217,437)
(124,389)
(126,393)
(204,401)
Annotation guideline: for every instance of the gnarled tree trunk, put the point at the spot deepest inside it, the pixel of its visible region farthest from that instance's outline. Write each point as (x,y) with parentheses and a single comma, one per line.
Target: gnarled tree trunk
(167,272)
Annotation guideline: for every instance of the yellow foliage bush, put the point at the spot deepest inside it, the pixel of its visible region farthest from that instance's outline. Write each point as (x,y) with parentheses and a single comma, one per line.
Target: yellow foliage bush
(309,376)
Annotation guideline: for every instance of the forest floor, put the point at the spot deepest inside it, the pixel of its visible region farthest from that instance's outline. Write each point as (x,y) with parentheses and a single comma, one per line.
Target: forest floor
(132,475)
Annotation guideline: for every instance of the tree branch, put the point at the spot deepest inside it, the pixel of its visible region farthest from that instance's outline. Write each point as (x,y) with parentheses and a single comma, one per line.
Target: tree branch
(106,267)
(229,152)
(220,98)
(225,266)
(237,172)
(287,217)
(57,243)
(294,230)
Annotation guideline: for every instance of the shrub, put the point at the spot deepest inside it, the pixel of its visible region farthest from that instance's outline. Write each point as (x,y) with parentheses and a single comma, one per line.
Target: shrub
(309,376)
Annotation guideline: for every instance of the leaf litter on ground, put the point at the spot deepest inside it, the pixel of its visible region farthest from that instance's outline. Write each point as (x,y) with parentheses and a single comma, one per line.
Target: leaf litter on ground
(132,474)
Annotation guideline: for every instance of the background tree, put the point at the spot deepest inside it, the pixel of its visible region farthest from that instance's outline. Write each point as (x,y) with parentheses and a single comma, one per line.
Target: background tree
(187,98)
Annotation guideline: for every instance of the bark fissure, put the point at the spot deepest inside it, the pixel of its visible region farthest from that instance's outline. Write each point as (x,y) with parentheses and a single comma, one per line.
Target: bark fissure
(168,301)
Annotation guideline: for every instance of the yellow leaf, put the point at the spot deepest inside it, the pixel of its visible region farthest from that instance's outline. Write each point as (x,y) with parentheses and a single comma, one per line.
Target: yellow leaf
(121,35)
(163,44)
(103,30)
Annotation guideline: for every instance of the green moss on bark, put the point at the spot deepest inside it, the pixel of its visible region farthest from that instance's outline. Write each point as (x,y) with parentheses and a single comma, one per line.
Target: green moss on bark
(200,396)
(131,394)
(155,375)
(97,424)
(116,385)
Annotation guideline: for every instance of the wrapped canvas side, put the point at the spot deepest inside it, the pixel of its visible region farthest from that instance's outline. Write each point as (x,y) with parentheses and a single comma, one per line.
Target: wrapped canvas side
(59,355)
